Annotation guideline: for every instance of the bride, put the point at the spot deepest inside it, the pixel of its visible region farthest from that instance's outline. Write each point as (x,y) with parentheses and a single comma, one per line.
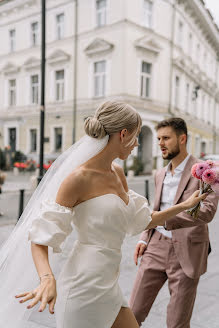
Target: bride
(84,187)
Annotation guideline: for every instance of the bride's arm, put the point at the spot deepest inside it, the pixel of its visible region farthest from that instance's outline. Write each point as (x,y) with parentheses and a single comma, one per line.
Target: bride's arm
(67,196)
(159,218)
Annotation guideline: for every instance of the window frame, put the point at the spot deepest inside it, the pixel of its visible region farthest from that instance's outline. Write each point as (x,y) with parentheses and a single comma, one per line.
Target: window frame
(31,89)
(176,91)
(180,33)
(103,78)
(30,136)
(148,23)
(101,11)
(36,33)
(52,135)
(187,97)
(60,26)
(145,77)
(58,84)
(12,40)
(10,90)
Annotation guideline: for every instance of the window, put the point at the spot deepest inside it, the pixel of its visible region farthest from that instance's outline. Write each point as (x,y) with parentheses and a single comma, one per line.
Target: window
(145,79)
(101,12)
(203,107)
(33,140)
(197,146)
(58,139)
(180,33)
(209,111)
(148,12)
(204,60)
(189,143)
(176,100)
(60,85)
(187,98)
(60,26)
(12,92)
(203,148)
(198,53)
(100,78)
(34,80)
(12,40)
(190,43)
(34,33)
(210,147)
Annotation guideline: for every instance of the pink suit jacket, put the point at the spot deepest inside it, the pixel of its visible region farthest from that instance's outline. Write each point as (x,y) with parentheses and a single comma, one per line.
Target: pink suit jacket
(190,237)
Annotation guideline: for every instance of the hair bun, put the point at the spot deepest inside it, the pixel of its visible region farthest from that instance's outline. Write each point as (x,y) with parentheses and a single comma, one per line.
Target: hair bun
(94,128)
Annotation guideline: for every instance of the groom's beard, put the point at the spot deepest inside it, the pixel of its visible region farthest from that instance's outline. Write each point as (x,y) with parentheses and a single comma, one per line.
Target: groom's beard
(173,153)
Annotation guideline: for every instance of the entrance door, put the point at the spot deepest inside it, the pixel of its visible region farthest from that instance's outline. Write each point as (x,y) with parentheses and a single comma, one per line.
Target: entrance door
(12,139)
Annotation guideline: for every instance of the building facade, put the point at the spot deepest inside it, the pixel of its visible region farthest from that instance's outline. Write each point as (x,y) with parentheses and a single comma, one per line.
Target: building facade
(161,56)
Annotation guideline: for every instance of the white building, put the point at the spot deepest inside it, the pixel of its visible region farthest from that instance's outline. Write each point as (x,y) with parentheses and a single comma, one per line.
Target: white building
(161,56)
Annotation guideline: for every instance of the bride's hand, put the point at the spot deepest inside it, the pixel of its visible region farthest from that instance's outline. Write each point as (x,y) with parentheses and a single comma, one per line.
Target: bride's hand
(194,199)
(44,293)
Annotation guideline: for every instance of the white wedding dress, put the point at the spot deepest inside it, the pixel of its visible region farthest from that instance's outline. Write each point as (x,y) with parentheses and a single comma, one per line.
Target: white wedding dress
(88,292)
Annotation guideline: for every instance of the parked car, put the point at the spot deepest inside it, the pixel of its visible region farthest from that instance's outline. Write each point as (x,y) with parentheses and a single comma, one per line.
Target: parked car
(213,157)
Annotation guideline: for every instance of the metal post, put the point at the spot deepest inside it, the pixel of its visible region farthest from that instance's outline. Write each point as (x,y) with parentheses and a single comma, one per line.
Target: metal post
(21,203)
(171,113)
(42,102)
(75,73)
(147,191)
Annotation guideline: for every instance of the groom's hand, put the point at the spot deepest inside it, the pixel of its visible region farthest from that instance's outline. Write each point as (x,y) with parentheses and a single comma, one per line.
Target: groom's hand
(139,251)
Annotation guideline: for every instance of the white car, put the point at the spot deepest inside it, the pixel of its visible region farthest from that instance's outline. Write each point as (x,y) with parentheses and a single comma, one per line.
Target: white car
(213,157)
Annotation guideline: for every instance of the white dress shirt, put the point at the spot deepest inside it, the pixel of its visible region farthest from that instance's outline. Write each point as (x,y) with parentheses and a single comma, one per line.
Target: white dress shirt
(170,186)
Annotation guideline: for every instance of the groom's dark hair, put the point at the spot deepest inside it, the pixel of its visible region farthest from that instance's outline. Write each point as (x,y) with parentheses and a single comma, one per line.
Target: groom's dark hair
(176,123)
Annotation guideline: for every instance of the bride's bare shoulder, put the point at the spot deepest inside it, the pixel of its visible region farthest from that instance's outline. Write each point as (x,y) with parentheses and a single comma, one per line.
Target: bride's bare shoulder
(72,187)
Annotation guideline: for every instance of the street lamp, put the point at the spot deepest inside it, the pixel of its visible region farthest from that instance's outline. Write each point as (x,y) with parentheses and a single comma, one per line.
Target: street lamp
(42,100)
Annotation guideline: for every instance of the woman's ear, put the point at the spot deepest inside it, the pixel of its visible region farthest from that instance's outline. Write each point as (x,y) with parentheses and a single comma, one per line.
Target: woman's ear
(123,134)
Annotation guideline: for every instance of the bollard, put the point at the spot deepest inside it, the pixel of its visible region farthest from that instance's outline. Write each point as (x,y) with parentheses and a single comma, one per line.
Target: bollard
(147,191)
(21,203)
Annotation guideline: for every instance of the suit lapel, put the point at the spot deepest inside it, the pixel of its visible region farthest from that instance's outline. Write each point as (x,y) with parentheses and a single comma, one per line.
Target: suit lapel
(159,186)
(186,175)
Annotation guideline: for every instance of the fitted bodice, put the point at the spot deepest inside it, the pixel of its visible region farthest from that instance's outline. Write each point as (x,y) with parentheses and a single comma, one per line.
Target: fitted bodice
(102,221)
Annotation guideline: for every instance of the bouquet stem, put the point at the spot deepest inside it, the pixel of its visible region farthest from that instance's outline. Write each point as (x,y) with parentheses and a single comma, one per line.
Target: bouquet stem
(204,188)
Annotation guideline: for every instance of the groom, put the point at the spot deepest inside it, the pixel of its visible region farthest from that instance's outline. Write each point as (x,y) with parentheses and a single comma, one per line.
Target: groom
(177,252)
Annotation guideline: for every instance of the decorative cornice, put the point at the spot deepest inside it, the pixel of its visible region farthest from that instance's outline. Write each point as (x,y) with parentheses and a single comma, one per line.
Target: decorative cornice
(149,44)
(8,7)
(32,63)
(98,46)
(204,19)
(58,56)
(196,75)
(10,68)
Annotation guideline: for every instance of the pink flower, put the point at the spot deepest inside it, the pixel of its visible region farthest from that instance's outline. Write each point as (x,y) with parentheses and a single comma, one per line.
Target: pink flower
(193,170)
(209,176)
(201,167)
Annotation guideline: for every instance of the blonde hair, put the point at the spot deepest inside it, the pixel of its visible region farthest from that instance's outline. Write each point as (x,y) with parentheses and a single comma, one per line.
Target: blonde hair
(112,117)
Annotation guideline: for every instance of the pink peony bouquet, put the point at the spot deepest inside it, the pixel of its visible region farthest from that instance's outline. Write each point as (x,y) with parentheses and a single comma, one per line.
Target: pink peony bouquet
(208,174)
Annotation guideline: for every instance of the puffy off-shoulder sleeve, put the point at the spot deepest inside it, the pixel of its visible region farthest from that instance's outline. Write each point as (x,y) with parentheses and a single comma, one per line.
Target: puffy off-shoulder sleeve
(142,214)
(52,226)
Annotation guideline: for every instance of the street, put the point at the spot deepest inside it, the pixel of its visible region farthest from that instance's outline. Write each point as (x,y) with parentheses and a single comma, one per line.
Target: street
(205,315)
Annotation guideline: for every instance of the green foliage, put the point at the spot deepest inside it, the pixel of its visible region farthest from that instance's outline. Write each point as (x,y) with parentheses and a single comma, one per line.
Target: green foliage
(137,165)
